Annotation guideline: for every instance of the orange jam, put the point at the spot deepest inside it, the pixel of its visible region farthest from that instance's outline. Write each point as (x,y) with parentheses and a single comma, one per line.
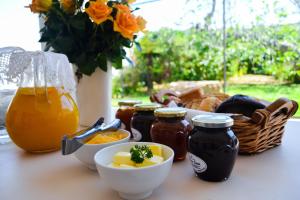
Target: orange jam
(106,137)
(38,118)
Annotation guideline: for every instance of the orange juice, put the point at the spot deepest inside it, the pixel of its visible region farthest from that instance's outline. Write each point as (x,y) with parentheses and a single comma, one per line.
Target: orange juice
(37,118)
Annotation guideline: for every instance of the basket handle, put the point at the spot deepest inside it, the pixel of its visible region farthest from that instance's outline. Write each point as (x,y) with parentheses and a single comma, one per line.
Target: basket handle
(280,106)
(283,105)
(158,97)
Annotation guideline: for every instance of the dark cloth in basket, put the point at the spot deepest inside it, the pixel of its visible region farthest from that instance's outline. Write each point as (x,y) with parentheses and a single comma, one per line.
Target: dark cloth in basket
(240,104)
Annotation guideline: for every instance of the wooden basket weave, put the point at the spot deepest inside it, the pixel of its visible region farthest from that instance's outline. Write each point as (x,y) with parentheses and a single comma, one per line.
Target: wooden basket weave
(265,128)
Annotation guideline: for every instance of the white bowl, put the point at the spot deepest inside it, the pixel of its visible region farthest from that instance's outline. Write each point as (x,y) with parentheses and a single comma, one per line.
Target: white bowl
(137,183)
(87,152)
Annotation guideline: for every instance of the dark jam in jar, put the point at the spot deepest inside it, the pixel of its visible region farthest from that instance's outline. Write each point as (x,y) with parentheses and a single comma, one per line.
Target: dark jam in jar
(212,147)
(125,112)
(170,128)
(142,120)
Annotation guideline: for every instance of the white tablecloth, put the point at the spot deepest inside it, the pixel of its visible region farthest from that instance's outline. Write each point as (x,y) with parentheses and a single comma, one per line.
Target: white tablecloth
(272,175)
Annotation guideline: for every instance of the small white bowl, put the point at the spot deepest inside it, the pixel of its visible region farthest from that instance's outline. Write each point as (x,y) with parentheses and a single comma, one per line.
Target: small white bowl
(87,152)
(137,183)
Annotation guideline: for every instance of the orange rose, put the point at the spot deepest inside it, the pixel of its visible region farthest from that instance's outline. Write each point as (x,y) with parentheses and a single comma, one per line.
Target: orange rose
(141,23)
(39,6)
(126,24)
(122,8)
(98,11)
(69,6)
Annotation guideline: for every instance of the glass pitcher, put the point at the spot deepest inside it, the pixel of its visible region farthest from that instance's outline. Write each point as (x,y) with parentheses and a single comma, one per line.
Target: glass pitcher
(42,110)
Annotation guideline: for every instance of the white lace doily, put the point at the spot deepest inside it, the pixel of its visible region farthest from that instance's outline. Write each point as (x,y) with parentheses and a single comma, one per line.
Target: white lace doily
(7,74)
(38,69)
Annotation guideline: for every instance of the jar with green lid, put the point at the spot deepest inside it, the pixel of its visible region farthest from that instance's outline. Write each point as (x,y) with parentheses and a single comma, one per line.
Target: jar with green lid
(125,112)
(170,128)
(142,120)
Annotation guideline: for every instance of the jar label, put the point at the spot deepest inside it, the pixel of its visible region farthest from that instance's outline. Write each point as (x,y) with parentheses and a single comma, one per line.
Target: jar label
(198,164)
(137,136)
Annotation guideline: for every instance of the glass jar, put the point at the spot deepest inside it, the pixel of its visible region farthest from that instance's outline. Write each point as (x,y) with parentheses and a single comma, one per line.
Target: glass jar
(212,147)
(125,112)
(42,110)
(142,120)
(171,129)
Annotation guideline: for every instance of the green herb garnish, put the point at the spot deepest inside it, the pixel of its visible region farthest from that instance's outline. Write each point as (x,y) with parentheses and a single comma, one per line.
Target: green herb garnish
(139,153)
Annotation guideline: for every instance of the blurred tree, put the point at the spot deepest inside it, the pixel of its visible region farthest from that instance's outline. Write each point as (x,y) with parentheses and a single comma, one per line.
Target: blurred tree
(296,3)
(196,53)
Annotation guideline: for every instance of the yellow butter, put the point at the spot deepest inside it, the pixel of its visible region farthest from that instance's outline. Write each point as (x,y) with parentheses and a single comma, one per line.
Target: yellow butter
(149,162)
(123,158)
(106,137)
(156,150)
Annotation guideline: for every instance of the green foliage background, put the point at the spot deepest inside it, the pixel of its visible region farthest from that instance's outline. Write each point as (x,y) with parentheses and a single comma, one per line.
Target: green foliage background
(171,55)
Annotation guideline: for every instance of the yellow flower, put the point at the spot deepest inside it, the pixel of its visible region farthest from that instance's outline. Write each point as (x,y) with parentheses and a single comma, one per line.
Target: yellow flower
(126,24)
(98,11)
(131,1)
(122,8)
(39,6)
(69,6)
(141,23)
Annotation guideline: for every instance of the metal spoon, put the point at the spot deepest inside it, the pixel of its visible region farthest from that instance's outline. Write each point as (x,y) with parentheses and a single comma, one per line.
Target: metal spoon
(71,143)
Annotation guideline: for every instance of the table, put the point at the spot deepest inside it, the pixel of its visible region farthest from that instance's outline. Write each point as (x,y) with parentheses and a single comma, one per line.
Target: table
(272,175)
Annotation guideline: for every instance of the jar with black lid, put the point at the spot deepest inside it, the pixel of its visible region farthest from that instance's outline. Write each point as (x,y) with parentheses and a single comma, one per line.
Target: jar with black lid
(142,120)
(212,146)
(170,128)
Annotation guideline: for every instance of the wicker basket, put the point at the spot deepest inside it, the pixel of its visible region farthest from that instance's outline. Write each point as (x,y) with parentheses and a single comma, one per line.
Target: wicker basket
(265,128)
(262,131)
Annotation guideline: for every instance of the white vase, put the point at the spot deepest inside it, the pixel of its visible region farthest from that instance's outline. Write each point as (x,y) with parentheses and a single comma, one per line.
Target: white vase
(93,95)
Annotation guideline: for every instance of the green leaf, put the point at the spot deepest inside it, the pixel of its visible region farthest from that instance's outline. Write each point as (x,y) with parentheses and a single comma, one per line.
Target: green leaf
(123,53)
(138,46)
(45,37)
(87,4)
(63,44)
(102,62)
(137,8)
(78,22)
(129,61)
(111,3)
(86,69)
(86,64)
(127,43)
(48,46)
(79,3)
(140,153)
(117,62)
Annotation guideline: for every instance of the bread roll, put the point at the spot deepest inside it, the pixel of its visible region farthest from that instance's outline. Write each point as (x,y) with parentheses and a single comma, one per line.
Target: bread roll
(190,95)
(209,104)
